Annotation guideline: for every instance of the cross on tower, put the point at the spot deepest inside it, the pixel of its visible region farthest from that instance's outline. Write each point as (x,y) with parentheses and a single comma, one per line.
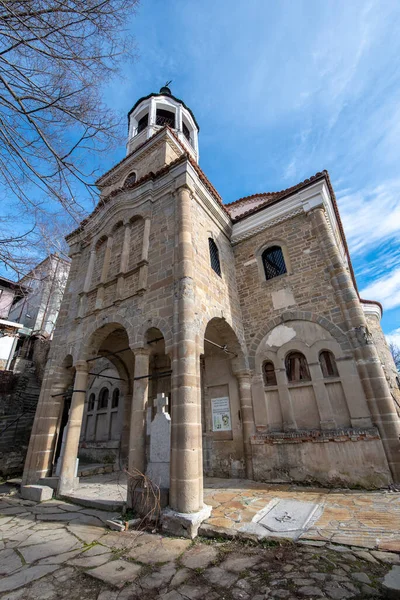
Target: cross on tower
(161,402)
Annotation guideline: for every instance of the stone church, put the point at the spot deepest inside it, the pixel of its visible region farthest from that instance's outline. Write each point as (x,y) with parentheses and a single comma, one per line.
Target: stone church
(245,315)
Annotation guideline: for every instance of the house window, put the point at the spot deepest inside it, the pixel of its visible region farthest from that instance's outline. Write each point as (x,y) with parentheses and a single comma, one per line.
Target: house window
(103,398)
(130,179)
(186,132)
(269,373)
(273,261)
(142,123)
(297,367)
(91,402)
(165,117)
(115,399)
(328,364)
(214,256)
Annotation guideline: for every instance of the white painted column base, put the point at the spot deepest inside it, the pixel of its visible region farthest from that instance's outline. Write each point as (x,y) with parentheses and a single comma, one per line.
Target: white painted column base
(184,524)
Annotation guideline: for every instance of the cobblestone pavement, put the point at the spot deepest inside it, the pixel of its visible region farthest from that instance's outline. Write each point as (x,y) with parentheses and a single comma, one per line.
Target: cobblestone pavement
(57,550)
(356,518)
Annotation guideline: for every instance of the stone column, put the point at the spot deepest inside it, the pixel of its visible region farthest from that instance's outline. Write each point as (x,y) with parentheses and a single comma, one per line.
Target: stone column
(143,263)
(326,418)
(86,285)
(285,400)
(68,462)
(123,267)
(104,273)
(186,477)
(137,434)
(246,410)
(41,443)
(372,376)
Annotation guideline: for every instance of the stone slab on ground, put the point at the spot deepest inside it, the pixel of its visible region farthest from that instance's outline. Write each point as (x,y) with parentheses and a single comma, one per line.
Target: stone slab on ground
(391,583)
(25,576)
(116,573)
(151,549)
(199,557)
(36,493)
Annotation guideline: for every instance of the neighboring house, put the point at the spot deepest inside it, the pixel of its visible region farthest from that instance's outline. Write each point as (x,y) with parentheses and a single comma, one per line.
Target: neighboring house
(246,315)
(10,292)
(31,307)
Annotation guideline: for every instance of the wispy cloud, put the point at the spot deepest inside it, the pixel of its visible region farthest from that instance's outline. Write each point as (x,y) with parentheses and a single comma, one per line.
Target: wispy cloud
(394,337)
(386,289)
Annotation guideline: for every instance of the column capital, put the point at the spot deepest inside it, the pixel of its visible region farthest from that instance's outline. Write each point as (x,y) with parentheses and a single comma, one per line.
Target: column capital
(140,350)
(81,366)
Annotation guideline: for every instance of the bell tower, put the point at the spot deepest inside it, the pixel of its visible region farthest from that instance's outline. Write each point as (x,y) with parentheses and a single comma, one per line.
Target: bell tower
(155,111)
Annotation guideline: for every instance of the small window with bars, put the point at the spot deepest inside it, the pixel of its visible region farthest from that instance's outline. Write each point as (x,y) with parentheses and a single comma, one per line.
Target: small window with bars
(214,256)
(130,179)
(273,261)
(165,117)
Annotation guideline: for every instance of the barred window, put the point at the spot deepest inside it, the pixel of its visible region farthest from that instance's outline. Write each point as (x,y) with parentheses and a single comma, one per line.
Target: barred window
(273,261)
(165,117)
(130,179)
(269,373)
(214,256)
(297,367)
(103,398)
(115,399)
(328,364)
(91,402)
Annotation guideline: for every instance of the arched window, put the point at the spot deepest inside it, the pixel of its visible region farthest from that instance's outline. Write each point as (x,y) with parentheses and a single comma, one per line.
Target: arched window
(115,399)
(273,261)
(214,256)
(328,364)
(103,398)
(92,398)
(186,131)
(142,123)
(130,179)
(297,367)
(269,373)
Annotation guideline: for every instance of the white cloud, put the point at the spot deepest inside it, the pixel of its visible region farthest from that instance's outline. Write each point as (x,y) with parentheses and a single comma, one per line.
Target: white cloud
(394,337)
(386,289)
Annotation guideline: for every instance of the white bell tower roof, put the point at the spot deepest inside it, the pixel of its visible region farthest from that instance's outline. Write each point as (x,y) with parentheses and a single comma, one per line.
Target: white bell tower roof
(153,112)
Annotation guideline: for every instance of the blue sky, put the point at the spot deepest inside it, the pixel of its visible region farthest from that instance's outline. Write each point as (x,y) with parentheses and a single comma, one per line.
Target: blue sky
(282,90)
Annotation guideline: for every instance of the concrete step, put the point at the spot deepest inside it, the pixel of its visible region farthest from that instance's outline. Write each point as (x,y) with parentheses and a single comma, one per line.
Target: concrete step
(109,505)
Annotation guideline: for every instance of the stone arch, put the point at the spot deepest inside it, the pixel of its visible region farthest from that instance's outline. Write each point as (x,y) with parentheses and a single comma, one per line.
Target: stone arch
(333,329)
(96,334)
(215,313)
(156,323)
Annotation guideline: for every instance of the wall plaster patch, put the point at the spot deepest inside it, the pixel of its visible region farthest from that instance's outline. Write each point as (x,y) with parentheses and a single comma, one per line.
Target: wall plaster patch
(280,335)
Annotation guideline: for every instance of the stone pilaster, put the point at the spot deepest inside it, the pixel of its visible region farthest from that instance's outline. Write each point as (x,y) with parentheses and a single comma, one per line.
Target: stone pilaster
(186,475)
(372,376)
(137,435)
(285,400)
(86,285)
(144,262)
(126,244)
(246,410)
(68,460)
(104,273)
(326,418)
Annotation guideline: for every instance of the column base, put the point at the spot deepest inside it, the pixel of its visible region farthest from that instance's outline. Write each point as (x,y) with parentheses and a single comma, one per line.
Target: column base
(184,524)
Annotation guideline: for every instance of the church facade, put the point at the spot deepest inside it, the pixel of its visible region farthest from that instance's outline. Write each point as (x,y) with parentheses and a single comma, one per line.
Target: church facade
(246,315)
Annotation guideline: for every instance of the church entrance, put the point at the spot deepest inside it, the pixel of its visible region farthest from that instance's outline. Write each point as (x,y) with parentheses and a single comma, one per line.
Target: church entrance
(223,420)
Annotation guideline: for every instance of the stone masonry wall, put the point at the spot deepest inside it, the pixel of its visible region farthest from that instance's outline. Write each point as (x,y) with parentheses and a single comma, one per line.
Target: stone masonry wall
(308,281)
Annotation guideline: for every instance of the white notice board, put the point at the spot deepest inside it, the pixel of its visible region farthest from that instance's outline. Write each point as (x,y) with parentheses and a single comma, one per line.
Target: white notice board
(221,414)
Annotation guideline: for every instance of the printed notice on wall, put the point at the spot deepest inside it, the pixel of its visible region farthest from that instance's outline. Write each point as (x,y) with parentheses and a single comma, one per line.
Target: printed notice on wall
(221,414)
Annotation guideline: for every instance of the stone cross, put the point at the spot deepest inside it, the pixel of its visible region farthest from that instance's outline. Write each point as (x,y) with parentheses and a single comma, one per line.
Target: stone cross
(161,403)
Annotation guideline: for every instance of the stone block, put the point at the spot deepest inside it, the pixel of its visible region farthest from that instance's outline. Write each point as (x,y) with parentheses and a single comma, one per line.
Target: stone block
(37,493)
(391,583)
(184,524)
